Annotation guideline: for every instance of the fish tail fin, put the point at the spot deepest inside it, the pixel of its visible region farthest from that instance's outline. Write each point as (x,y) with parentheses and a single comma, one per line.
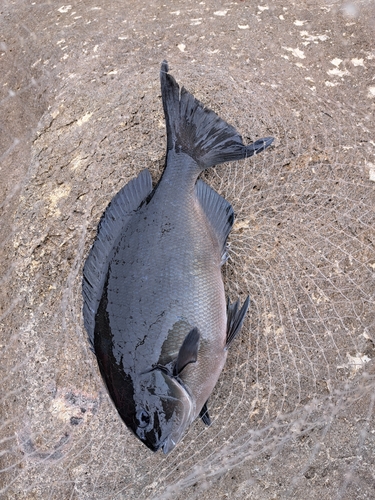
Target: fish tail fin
(198,131)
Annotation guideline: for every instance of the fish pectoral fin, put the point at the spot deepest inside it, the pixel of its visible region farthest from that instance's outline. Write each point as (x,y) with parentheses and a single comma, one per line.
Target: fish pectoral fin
(188,352)
(204,414)
(235,319)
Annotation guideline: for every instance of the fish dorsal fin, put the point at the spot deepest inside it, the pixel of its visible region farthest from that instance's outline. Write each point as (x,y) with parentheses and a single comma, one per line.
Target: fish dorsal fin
(204,415)
(235,319)
(218,211)
(188,352)
(198,131)
(110,227)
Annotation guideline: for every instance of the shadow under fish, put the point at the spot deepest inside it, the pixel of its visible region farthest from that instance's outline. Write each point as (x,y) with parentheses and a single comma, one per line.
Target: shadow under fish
(154,302)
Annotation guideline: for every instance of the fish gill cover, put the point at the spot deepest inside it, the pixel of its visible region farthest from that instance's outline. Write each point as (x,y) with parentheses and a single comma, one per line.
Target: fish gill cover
(81,115)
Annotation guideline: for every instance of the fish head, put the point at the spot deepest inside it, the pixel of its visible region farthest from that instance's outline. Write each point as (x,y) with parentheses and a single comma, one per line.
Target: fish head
(164,409)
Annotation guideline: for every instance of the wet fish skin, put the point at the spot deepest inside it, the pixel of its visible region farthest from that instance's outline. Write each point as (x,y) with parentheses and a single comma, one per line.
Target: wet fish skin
(154,301)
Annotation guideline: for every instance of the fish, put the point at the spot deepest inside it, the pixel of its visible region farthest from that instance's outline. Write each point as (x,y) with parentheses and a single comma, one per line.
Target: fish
(154,305)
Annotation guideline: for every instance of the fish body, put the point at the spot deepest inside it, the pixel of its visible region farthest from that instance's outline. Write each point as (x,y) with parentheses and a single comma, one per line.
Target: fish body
(154,301)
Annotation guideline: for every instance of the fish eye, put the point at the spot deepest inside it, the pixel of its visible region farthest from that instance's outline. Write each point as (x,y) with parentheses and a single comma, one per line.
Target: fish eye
(143,418)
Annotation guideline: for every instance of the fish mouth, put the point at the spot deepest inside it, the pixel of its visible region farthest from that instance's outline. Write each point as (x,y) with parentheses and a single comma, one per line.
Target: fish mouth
(167,445)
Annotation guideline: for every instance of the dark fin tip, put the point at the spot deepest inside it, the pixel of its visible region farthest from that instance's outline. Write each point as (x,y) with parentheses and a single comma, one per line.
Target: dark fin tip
(235,319)
(164,67)
(259,146)
(204,415)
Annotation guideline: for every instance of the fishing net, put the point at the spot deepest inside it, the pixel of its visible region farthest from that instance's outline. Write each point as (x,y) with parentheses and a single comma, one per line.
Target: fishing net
(293,411)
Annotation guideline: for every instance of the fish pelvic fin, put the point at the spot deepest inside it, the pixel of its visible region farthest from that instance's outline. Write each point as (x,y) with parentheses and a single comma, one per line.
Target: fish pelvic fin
(235,319)
(198,131)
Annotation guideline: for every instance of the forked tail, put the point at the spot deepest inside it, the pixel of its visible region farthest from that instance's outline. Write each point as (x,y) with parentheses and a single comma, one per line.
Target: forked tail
(199,131)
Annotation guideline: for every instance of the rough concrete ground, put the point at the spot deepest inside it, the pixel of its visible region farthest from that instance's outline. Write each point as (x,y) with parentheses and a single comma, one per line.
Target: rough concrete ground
(80,115)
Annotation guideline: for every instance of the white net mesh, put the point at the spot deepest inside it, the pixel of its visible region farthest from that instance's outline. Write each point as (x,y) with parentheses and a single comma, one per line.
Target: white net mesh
(293,410)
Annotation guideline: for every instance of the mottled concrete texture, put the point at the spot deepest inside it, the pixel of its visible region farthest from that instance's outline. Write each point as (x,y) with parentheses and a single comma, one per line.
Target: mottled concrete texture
(80,115)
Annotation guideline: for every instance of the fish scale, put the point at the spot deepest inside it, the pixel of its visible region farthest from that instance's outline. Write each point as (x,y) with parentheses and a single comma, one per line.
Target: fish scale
(154,302)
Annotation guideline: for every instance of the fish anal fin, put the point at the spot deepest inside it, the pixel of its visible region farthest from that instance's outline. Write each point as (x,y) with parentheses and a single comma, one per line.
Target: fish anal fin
(219,213)
(235,319)
(110,227)
(188,352)
(204,414)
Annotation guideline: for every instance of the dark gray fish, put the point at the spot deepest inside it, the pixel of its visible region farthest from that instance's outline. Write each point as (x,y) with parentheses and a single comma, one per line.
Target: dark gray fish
(154,302)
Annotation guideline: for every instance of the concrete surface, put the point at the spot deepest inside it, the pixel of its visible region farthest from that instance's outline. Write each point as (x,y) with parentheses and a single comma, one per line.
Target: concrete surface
(81,114)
